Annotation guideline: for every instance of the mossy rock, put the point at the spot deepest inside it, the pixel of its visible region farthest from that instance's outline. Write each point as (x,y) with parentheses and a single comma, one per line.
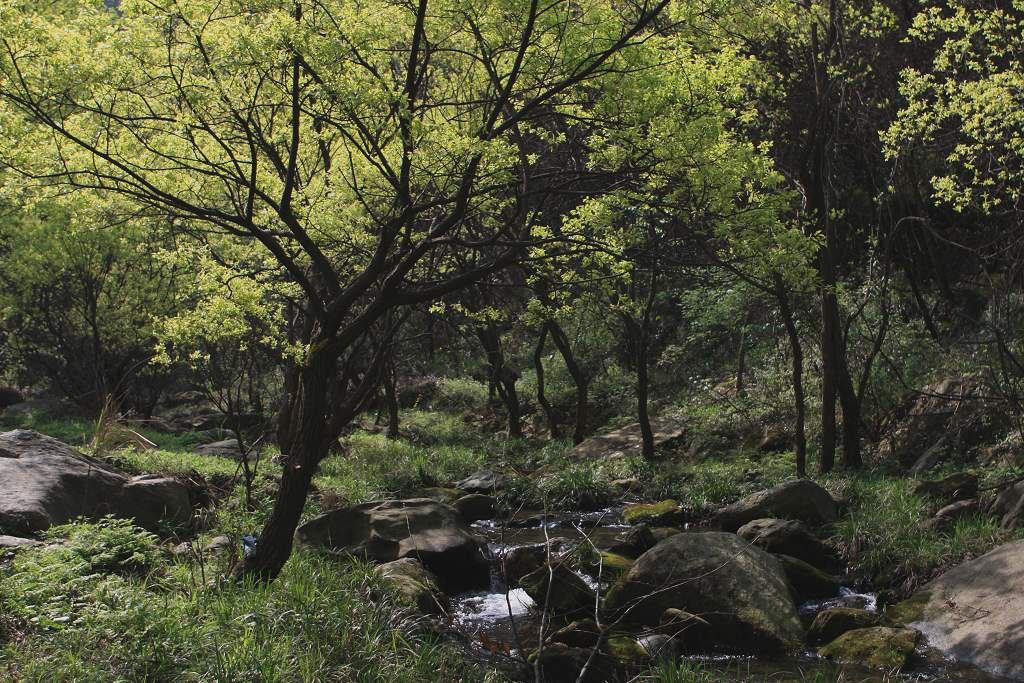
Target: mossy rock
(831,623)
(664,513)
(569,593)
(908,611)
(879,646)
(626,649)
(610,565)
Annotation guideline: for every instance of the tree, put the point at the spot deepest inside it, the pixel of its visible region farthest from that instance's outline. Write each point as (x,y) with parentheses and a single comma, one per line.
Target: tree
(358,148)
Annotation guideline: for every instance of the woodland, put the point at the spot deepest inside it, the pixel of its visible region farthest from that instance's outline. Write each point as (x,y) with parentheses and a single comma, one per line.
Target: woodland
(512,340)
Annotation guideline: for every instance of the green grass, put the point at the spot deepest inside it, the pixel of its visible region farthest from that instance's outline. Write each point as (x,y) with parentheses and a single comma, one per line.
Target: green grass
(111,606)
(885,537)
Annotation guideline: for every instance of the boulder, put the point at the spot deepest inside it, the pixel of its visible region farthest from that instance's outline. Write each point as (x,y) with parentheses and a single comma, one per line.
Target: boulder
(947,516)
(44,482)
(627,441)
(1009,506)
(807,581)
(9,397)
(225,448)
(960,486)
(975,611)
(568,594)
(579,633)
(879,647)
(519,561)
(800,499)
(476,506)
(831,623)
(942,419)
(40,407)
(484,481)
(384,531)
(788,537)
(7,542)
(740,590)
(415,584)
(665,513)
(634,542)
(559,662)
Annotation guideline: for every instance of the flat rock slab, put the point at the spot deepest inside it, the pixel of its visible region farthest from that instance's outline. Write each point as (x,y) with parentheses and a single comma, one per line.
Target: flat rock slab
(44,482)
(627,441)
(975,612)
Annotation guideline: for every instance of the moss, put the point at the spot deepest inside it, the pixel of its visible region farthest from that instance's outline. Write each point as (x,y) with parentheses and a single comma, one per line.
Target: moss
(626,649)
(879,647)
(664,513)
(908,611)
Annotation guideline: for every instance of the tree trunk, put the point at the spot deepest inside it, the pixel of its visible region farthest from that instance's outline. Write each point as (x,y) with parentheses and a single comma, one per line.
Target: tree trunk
(500,378)
(579,377)
(307,445)
(391,399)
(851,404)
(638,342)
(542,399)
(741,359)
(799,430)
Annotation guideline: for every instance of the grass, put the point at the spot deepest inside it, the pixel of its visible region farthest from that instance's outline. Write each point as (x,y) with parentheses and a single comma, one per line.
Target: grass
(885,537)
(112,605)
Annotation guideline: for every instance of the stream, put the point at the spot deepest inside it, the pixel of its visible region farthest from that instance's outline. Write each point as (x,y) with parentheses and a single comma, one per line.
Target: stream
(502,621)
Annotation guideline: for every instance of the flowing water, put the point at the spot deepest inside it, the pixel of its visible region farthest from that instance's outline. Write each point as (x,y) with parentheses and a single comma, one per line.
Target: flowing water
(504,622)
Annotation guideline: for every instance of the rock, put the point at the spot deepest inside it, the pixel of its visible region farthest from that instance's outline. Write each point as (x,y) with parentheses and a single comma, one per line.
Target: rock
(580,633)
(569,593)
(788,537)
(17,542)
(607,565)
(960,486)
(831,623)
(384,531)
(484,481)
(440,494)
(627,441)
(973,612)
(627,485)
(684,627)
(800,499)
(879,647)
(40,407)
(152,500)
(559,662)
(946,517)
(219,543)
(519,561)
(634,542)
(665,513)
(660,533)
(740,590)
(416,584)
(807,581)
(225,448)
(476,506)
(626,649)
(947,417)
(661,646)
(1009,506)
(44,482)
(9,397)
